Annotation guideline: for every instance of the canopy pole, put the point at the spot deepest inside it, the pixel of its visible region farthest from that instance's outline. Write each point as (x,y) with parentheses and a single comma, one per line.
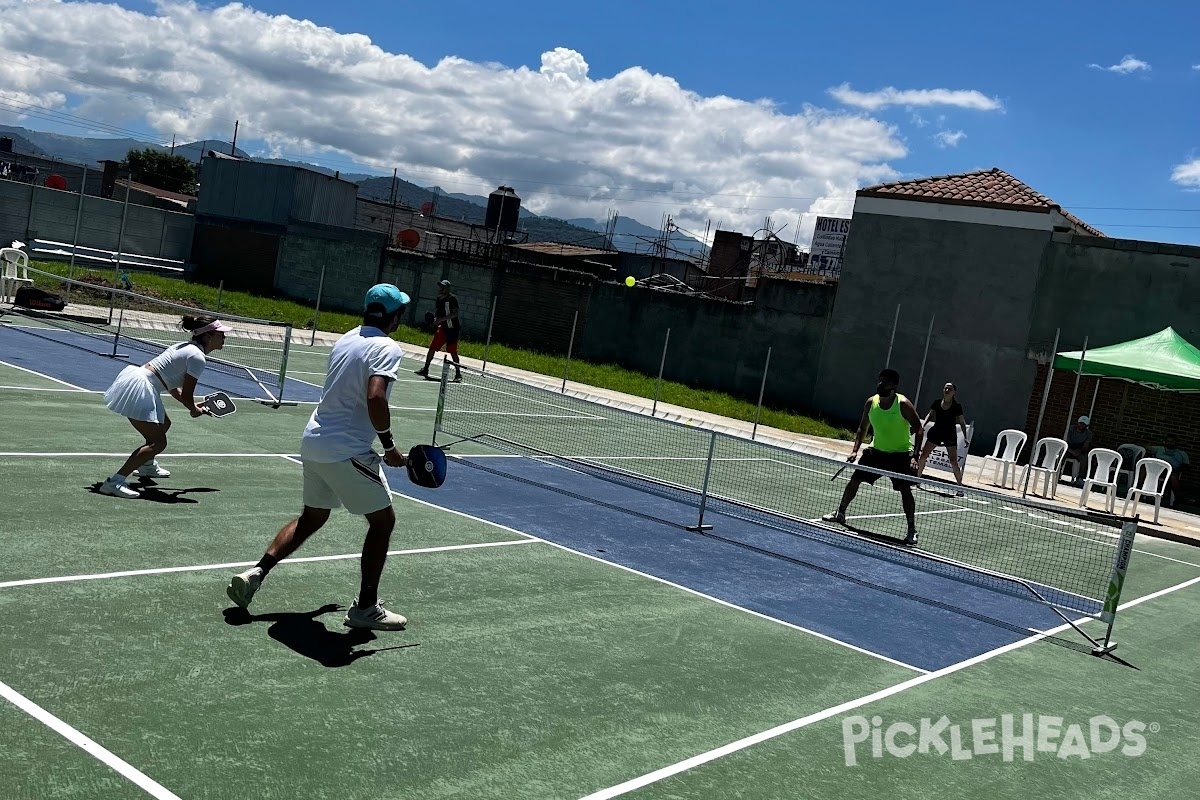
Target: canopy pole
(1042,413)
(1092,410)
(1075,391)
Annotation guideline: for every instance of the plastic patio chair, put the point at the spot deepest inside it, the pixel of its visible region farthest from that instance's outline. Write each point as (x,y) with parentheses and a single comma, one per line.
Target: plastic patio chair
(11,259)
(1046,462)
(1130,455)
(1009,444)
(1150,480)
(1104,468)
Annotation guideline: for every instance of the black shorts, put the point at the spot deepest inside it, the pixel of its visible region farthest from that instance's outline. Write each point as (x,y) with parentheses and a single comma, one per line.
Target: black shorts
(944,438)
(888,462)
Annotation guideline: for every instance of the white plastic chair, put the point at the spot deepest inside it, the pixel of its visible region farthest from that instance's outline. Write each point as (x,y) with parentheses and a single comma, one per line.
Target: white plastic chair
(1130,455)
(1046,461)
(1150,480)
(12,258)
(1104,468)
(1009,444)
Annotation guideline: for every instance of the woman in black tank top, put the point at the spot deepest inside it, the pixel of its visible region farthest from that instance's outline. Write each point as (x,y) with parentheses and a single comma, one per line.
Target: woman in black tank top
(945,413)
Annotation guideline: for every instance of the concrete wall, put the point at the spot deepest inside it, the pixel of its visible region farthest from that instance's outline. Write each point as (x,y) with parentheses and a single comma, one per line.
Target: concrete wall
(350,260)
(1114,290)
(34,212)
(715,344)
(978,277)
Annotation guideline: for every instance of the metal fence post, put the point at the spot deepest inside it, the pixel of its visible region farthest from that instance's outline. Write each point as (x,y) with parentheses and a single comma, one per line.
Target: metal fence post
(220,292)
(892,341)
(317,313)
(762,388)
(570,347)
(661,364)
(488,345)
(75,237)
(1041,413)
(1075,391)
(924,357)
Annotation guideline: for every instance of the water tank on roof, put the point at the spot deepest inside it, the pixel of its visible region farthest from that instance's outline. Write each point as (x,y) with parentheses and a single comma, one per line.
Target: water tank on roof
(503,210)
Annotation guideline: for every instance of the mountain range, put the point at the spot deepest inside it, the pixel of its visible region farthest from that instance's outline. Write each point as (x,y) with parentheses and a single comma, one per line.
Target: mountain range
(630,235)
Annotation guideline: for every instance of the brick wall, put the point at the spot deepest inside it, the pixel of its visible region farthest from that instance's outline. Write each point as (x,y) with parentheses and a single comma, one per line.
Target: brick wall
(1125,413)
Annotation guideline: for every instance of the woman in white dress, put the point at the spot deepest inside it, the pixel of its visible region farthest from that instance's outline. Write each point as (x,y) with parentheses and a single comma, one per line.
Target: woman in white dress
(135,394)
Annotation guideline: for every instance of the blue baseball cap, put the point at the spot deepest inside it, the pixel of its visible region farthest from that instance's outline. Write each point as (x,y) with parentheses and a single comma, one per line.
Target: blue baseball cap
(386,295)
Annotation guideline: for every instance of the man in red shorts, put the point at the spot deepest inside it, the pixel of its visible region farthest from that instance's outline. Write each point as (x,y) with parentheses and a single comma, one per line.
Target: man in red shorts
(446,320)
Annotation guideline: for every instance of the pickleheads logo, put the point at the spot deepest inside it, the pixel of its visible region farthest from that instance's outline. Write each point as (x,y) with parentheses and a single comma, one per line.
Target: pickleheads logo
(1004,736)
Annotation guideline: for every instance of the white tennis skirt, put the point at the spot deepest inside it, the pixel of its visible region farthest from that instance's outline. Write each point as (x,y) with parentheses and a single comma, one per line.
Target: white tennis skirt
(133,394)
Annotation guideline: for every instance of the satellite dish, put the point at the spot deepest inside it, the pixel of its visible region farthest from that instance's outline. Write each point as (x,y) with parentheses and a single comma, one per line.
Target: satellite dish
(56,181)
(426,208)
(408,238)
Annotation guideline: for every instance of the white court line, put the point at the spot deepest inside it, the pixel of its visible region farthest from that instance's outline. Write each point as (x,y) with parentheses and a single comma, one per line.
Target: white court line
(44,375)
(234,564)
(657,579)
(49,389)
(576,413)
(166,457)
(804,722)
(90,746)
(918,513)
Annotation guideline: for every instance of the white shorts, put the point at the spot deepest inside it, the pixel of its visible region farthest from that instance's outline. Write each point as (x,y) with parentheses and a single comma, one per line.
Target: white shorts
(134,395)
(357,483)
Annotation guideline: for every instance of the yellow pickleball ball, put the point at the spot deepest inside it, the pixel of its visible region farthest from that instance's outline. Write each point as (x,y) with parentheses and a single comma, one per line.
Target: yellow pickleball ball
(630,281)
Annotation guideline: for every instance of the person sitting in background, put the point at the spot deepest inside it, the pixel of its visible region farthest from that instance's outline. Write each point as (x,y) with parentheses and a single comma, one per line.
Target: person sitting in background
(1079,442)
(1169,452)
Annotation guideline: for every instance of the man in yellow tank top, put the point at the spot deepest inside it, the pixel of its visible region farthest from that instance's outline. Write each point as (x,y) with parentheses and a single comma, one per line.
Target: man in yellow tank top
(892,418)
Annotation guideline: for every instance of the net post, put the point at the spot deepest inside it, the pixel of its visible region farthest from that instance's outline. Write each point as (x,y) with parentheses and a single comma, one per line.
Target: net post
(761,389)
(570,347)
(712,446)
(488,345)
(317,312)
(662,363)
(287,346)
(120,323)
(1115,583)
(441,403)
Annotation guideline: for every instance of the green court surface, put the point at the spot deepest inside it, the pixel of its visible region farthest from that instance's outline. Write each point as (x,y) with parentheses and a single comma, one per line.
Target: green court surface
(528,670)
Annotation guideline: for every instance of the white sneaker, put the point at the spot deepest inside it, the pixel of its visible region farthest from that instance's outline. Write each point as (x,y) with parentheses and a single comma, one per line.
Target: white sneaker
(836,516)
(375,617)
(242,586)
(151,469)
(119,489)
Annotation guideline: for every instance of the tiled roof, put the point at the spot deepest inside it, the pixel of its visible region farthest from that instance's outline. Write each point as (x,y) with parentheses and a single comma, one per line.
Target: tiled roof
(992,188)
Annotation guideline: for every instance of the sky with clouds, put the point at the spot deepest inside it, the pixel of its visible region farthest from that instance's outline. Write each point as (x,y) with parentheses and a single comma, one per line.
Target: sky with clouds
(708,111)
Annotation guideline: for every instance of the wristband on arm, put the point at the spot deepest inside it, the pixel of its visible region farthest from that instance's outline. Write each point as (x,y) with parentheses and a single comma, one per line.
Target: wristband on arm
(385,438)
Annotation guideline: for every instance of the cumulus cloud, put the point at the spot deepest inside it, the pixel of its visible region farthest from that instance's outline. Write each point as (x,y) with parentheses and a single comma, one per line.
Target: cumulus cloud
(949,138)
(1187,174)
(890,96)
(572,144)
(1126,66)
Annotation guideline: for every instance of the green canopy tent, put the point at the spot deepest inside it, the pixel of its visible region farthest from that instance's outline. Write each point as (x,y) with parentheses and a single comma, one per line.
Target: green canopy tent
(1164,360)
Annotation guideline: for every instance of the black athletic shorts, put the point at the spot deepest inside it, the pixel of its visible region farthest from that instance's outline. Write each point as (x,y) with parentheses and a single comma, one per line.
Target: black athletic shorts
(888,462)
(943,437)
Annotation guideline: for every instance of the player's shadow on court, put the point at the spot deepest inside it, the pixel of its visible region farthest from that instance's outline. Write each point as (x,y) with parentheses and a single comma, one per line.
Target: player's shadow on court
(151,491)
(304,633)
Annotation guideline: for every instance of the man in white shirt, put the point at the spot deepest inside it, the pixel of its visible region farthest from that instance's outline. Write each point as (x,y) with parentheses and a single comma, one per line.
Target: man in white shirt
(340,465)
